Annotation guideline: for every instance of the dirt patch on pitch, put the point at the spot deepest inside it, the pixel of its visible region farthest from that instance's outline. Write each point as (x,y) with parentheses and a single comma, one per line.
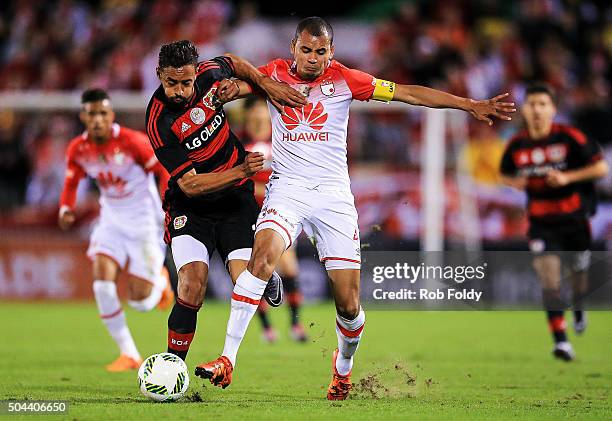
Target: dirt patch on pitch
(386,382)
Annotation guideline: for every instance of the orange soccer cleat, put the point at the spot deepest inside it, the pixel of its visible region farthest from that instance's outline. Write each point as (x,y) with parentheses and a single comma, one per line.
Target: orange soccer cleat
(167,297)
(124,363)
(219,371)
(340,386)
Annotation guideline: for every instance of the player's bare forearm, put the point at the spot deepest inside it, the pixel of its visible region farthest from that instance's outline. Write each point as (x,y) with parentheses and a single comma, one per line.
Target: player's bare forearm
(278,93)
(591,172)
(518,183)
(193,184)
(428,97)
(433,98)
(245,70)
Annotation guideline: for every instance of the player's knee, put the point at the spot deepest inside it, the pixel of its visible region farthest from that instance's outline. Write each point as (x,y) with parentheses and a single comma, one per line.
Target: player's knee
(262,264)
(140,291)
(349,310)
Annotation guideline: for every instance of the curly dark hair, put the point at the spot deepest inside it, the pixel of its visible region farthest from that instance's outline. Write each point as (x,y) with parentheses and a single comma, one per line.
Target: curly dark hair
(178,54)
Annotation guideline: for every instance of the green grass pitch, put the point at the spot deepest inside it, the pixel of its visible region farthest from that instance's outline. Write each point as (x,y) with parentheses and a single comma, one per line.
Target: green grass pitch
(419,365)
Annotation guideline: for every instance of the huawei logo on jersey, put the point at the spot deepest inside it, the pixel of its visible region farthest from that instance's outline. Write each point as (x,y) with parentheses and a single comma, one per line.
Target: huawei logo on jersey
(108,179)
(313,116)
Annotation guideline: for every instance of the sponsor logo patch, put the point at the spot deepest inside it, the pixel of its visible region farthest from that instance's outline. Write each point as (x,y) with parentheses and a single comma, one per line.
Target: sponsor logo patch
(311,115)
(179,222)
(327,88)
(197,115)
(209,98)
(185,127)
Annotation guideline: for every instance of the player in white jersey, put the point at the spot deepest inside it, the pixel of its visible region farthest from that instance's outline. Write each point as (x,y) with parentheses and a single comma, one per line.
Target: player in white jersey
(310,189)
(129,234)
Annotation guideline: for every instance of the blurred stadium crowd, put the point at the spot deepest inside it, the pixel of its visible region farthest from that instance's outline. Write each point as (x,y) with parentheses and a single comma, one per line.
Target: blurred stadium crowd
(476,48)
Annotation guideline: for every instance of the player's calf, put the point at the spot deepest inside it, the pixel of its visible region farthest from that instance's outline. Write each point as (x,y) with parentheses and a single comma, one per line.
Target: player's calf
(113,317)
(349,332)
(184,315)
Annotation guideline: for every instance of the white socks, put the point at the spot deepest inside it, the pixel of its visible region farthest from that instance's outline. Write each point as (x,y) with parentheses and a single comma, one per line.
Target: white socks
(113,317)
(245,299)
(349,333)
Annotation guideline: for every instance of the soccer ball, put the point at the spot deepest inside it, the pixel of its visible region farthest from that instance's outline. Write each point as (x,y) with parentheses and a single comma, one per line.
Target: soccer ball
(163,377)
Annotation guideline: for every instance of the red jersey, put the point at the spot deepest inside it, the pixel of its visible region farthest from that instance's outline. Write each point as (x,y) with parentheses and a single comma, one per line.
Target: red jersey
(123,168)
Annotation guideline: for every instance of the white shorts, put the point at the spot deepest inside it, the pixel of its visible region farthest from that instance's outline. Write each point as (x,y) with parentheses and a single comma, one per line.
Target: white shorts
(141,256)
(328,217)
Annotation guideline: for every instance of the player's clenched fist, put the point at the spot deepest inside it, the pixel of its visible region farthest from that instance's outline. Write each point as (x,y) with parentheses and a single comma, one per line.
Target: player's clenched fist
(227,90)
(253,163)
(65,219)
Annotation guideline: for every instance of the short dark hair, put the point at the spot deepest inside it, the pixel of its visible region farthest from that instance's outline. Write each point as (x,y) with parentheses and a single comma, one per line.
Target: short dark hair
(316,26)
(178,54)
(541,88)
(93,95)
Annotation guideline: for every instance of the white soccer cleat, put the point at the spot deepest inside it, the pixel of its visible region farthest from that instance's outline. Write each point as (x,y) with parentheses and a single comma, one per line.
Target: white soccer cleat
(564,351)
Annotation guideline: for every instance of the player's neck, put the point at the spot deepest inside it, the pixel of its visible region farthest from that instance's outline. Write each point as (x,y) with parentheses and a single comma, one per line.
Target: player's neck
(539,133)
(100,140)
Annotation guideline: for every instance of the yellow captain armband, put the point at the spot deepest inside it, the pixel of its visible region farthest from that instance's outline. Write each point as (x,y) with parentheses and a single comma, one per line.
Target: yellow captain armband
(383,90)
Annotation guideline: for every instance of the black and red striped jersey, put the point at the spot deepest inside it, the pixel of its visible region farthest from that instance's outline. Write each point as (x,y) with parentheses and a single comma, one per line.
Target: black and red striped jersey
(565,148)
(195,135)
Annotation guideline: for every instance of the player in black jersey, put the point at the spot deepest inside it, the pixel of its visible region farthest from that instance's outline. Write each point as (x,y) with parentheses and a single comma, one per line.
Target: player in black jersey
(556,165)
(209,202)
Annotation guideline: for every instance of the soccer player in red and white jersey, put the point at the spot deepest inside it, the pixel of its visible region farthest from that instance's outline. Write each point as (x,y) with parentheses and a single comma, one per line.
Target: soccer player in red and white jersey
(310,188)
(257,137)
(129,234)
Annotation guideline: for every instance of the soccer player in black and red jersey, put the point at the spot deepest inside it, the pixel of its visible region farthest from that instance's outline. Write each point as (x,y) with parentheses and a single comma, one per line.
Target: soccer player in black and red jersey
(209,203)
(556,165)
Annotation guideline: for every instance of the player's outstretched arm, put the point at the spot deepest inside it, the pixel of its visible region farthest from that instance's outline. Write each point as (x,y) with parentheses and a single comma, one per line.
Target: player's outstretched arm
(279,93)
(482,110)
(193,184)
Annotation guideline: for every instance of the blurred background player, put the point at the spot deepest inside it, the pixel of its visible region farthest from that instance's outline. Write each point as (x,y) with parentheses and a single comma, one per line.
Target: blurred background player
(257,137)
(310,187)
(556,165)
(209,203)
(129,233)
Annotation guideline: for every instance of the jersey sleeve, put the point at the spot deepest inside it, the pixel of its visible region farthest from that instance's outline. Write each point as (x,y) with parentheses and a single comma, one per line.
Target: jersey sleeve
(74,174)
(360,83)
(165,143)
(142,151)
(215,69)
(588,150)
(507,165)
(267,69)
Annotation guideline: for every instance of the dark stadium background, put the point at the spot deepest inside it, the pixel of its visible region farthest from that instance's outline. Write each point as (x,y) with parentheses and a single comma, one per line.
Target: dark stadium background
(469,48)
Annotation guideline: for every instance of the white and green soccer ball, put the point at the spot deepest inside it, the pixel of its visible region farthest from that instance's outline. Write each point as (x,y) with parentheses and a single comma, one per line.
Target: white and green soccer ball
(163,377)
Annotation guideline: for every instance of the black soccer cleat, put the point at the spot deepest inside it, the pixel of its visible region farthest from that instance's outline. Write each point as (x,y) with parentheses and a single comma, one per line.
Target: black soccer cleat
(273,294)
